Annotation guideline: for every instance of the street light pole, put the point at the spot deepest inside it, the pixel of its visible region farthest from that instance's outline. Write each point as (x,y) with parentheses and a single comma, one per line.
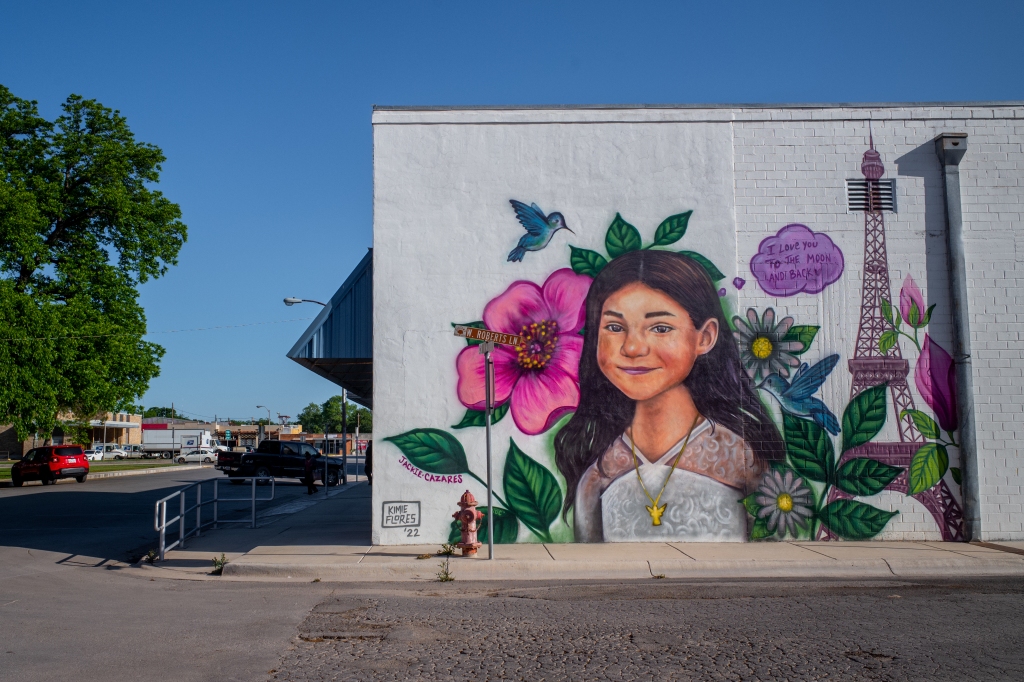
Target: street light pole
(261,407)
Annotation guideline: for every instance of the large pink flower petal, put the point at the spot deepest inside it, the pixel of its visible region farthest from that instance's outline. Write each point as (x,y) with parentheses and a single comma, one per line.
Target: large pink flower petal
(520,304)
(910,293)
(565,294)
(470,365)
(935,376)
(566,357)
(541,398)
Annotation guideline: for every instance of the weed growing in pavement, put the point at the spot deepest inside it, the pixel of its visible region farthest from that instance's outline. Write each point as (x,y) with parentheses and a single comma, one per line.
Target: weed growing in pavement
(219,564)
(151,556)
(316,580)
(445,575)
(425,556)
(446,550)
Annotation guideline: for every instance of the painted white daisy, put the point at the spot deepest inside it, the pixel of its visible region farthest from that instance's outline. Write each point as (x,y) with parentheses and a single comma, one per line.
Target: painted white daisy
(785,501)
(762,349)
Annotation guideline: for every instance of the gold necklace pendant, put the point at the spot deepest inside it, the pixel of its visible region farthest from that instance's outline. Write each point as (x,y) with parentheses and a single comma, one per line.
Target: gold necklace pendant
(653,509)
(656,513)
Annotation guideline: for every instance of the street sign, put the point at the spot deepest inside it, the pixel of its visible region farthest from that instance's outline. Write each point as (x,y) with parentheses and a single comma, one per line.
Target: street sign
(485,335)
(227,434)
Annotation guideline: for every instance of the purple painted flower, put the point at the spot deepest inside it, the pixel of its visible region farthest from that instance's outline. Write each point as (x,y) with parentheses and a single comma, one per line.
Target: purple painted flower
(912,304)
(738,282)
(935,376)
(722,292)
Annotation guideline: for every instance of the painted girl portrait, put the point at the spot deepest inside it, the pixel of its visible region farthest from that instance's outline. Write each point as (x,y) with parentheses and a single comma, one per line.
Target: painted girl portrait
(669,434)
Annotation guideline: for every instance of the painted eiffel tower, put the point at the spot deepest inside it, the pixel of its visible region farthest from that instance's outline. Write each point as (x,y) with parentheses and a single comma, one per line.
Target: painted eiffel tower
(871,366)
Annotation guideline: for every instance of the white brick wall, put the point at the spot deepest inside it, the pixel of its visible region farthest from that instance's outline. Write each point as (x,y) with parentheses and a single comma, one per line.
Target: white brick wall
(791,166)
(451,173)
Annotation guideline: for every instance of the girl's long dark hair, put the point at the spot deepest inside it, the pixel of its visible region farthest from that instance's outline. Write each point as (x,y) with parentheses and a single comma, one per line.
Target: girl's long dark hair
(718,384)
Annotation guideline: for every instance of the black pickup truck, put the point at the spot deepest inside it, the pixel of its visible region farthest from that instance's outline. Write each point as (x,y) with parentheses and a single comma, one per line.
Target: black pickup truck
(280,459)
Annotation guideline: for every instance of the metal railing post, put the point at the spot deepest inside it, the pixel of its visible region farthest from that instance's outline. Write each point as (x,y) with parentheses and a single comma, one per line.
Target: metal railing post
(253,502)
(181,520)
(163,528)
(199,509)
(216,499)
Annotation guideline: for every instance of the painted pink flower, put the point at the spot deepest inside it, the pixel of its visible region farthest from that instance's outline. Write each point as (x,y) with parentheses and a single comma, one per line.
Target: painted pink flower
(541,376)
(910,297)
(935,376)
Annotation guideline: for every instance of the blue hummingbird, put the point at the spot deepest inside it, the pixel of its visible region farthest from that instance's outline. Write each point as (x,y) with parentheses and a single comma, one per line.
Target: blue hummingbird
(539,228)
(796,398)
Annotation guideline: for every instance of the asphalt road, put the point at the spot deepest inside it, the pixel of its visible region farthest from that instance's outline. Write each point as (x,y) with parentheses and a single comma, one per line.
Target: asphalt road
(69,609)
(665,630)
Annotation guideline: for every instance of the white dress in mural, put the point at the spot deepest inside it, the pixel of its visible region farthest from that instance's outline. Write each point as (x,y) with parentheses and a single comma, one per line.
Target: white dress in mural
(702,497)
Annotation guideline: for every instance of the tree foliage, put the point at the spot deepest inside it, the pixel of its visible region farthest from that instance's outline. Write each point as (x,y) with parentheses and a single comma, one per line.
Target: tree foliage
(327,417)
(80,229)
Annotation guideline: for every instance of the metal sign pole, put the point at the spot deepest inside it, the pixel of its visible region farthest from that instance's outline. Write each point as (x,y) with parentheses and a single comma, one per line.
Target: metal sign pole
(487,348)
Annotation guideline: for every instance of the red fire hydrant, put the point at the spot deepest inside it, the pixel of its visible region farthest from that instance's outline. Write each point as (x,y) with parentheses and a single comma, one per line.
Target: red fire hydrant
(469,519)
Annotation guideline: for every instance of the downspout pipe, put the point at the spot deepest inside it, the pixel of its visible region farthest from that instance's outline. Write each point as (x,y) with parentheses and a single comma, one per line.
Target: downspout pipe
(950,148)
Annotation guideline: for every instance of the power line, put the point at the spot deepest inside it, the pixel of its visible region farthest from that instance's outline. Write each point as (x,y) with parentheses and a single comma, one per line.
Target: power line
(168,331)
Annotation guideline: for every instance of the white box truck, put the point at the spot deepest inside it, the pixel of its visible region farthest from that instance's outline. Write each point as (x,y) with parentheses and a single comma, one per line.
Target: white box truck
(169,442)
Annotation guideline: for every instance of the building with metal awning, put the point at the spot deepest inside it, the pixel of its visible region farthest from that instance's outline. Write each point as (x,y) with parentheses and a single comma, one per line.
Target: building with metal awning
(338,345)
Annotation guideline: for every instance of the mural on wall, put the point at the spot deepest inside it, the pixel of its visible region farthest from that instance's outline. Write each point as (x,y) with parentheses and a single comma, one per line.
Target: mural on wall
(796,260)
(665,418)
(540,228)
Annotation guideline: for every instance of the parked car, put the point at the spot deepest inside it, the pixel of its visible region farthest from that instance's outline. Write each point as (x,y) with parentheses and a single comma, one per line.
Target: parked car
(280,459)
(110,450)
(204,455)
(50,463)
(94,455)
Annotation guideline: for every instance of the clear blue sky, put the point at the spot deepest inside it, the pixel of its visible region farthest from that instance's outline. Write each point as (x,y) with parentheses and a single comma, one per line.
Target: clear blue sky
(263,111)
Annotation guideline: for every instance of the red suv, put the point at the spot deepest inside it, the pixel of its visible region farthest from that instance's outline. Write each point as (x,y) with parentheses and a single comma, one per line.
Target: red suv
(47,464)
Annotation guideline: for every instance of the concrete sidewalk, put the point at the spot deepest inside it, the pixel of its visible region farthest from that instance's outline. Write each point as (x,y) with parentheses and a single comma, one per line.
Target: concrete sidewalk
(329,540)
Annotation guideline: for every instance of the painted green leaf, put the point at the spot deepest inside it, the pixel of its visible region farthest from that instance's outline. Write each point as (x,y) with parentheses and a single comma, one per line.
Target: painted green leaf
(852,520)
(955,472)
(478,417)
(928,315)
(531,490)
(585,261)
(477,325)
(621,238)
(432,450)
(506,528)
(887,340)
(887,312)
(864,417)
(927,467)
(713,272)
(865,476)
(804,333)
(759,530)
(914,316)
(925,424)
(672,229)
(809,449)
(750,504)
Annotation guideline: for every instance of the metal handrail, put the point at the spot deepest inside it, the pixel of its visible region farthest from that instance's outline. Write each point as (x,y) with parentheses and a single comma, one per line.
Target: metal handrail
(161,523)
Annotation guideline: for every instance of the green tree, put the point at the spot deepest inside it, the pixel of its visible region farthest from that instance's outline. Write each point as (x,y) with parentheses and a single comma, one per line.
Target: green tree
(80,229)
(311,418)
(327,417)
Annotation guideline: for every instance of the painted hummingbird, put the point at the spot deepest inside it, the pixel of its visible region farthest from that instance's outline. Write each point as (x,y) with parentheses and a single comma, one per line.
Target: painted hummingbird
(795,398)
(539,228)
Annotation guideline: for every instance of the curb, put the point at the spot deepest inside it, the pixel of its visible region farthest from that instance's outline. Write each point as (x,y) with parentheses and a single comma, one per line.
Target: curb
(480,569)
(128,472)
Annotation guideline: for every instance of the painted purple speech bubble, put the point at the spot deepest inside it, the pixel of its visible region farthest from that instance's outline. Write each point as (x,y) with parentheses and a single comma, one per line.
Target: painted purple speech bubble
(796,260)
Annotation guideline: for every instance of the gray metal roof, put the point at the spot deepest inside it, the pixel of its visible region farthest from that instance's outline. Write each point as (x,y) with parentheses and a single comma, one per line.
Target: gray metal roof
(338,344)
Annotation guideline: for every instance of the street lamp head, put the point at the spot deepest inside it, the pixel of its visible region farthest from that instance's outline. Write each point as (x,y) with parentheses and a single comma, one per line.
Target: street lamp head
(291,300)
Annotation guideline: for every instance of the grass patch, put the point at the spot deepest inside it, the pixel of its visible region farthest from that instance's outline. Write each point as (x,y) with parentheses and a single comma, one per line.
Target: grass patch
(99,467)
